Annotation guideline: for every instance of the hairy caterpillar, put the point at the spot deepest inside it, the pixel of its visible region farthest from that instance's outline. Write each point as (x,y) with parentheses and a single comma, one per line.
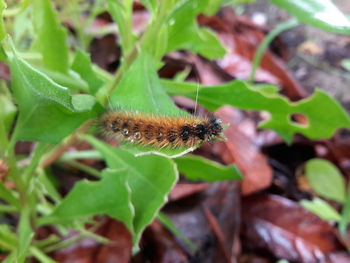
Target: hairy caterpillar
(160,131)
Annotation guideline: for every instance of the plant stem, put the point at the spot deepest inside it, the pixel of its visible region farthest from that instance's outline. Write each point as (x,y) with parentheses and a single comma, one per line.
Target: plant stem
(39,151)
(41,256)
(84,168)
(266,42)
(65,145)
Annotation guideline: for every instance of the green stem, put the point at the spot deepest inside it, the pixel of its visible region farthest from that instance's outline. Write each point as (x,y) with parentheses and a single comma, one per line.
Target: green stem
(3,138)
(41,256)
(39,151)
(89,154)
(84,168)
(266,42)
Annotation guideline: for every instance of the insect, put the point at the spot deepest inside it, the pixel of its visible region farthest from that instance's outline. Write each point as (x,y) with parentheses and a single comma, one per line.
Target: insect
(160,131)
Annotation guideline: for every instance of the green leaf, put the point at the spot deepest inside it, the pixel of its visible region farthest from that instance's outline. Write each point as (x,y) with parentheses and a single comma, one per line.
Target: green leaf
(70,80)
(41,256)
(8,196)
(2,26)
(82,65)
(150,179)
(346,64)
(11,258)
(140,91)
(199,168)
(321,14)
(184,32)
(149,4)
(47,112)
(324,114)
(213,7)
(51,36)
(322,209)
(121,14)
(47,186)
(7,110)
(22,29)
(109,196)
(325,179)
(8,240)
(345,215)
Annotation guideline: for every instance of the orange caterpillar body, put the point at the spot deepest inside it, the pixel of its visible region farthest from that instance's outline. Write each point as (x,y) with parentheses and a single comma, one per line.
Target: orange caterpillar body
(160,131)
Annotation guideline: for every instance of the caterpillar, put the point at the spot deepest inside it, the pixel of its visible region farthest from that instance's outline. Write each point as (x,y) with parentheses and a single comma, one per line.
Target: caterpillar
(160,131)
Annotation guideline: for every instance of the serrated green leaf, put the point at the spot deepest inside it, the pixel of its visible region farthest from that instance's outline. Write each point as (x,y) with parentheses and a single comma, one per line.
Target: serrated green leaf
(46,110)
(150,178)
(323,113)
(322,209)
(321,14)
(325,179)
(51,36)
(83,66)
(109,196)
(184,32)
(199,168)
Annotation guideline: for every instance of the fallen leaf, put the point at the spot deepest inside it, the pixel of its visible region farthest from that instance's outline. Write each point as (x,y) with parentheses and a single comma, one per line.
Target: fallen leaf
(286,229)
(241,149)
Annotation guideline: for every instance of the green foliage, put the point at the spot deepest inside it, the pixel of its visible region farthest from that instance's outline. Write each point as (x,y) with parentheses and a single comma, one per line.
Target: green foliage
(82,65)
(55,89)
(51,36)
(184,33)
(325,179)
(110,195)
(199,168)
(346,64)
(7,109)
(42,101)
(321,209)
(150,179)
(321,14)
(324,114)
(140,90)
(2,26)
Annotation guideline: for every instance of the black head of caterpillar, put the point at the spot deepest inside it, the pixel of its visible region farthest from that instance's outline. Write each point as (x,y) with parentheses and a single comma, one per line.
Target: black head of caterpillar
(160,131)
